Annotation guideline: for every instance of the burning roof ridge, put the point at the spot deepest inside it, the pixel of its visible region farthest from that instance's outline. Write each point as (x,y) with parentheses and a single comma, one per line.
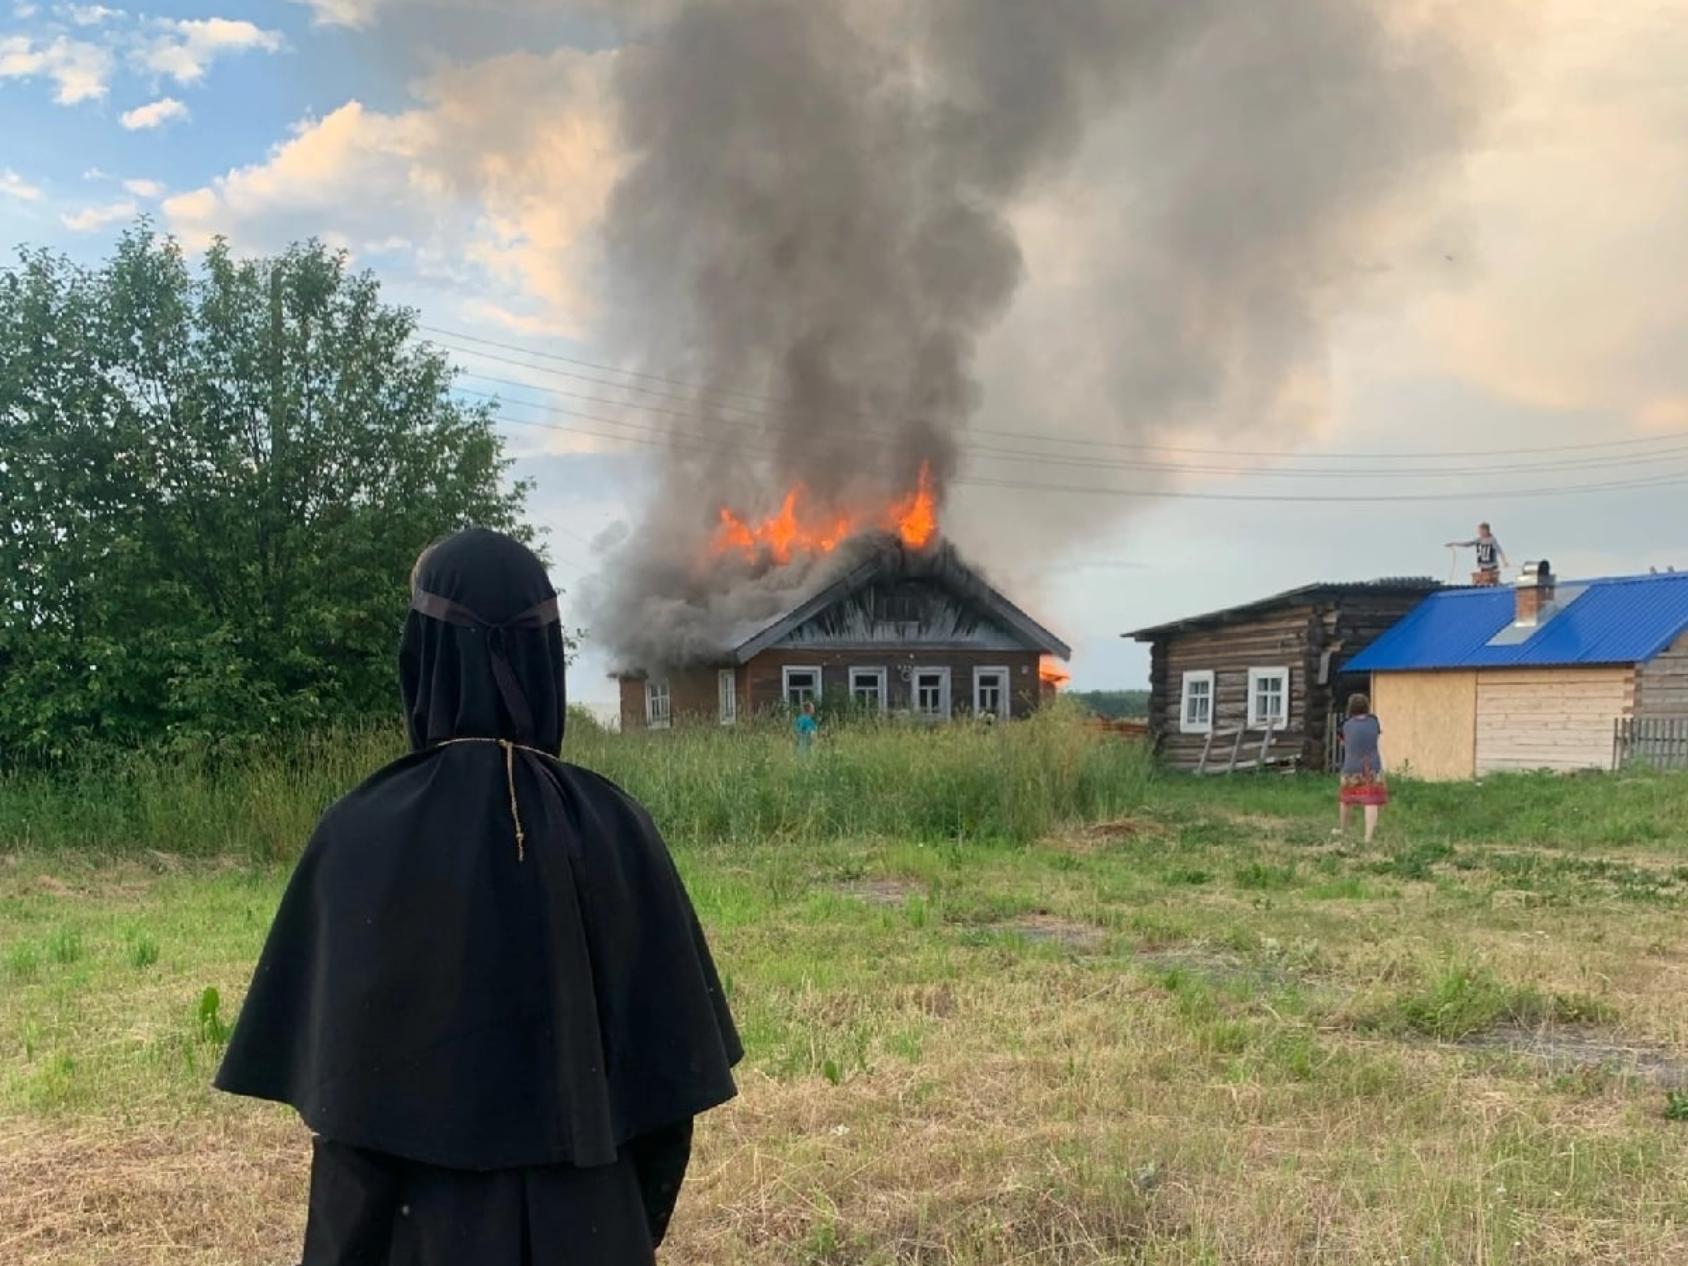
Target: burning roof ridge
(938,559)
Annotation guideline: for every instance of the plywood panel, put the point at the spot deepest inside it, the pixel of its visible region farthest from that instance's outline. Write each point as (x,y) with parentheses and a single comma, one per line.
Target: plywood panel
(1559,719)
(1429,723)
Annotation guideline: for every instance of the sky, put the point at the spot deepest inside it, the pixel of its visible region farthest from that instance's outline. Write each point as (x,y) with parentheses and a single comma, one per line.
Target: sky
(1530,311)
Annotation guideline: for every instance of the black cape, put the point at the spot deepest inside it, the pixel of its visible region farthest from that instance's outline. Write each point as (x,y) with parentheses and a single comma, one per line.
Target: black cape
(485,958)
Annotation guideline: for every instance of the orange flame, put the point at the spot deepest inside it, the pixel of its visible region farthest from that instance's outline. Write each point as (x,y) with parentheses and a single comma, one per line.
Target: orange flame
(783,535)
(916,515)
(1051,673)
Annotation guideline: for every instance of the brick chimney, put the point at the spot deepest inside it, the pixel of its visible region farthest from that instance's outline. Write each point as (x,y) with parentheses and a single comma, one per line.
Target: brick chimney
(1534,593)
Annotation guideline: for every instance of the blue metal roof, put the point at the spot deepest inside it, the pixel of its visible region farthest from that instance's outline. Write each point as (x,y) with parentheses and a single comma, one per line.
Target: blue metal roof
(1619,620)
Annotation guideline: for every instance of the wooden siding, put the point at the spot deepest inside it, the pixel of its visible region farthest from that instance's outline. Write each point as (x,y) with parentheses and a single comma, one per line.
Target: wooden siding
(1429,723)
(1311,640)
(1661,685)
(765,680)
(693,696)
(1550,718)
(904,612)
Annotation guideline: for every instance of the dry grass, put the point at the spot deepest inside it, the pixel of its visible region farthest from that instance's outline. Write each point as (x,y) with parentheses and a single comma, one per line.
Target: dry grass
(1183,1037)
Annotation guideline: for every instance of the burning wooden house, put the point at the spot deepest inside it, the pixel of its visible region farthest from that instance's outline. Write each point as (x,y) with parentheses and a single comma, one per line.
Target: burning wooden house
(900,626)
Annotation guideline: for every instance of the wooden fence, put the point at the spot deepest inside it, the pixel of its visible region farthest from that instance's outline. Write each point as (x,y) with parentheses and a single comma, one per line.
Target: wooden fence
(1656,742)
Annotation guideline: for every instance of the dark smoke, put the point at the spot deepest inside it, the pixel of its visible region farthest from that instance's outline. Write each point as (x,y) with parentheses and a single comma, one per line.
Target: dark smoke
(816,224)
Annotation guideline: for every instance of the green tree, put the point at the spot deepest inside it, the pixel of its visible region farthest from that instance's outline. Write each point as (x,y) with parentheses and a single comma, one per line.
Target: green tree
(1114,704)
(212,483)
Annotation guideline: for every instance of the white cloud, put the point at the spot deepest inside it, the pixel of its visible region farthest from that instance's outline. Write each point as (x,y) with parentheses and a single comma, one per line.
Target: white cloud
(1577,205)
(23,11)
(497,181)
(144,188)
(91,14)
(353,13)
(13,185)
(188,47)
(79,70)
(156,114)
(92,219)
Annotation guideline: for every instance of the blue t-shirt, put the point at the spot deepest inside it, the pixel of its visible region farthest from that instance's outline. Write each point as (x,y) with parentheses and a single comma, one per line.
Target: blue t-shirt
(806,727)
(1359,745)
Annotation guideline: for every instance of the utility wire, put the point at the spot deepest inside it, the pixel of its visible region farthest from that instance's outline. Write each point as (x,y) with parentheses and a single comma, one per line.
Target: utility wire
(704,447)
(837,439)
(703,389)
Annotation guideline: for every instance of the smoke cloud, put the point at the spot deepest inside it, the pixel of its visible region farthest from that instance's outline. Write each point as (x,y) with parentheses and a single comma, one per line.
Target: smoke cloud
(825,208)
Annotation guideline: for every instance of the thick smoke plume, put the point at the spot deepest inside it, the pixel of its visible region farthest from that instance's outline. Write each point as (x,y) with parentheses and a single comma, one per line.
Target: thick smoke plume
(817,223)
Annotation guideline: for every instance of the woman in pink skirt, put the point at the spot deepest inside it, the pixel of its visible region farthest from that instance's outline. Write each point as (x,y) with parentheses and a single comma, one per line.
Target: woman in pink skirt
(1362,766)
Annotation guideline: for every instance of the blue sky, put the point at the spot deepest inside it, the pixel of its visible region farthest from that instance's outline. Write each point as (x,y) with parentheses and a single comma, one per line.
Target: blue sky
(465,151)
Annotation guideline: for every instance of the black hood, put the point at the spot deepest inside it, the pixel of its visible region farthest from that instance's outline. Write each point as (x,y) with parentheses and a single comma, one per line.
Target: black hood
(482,654)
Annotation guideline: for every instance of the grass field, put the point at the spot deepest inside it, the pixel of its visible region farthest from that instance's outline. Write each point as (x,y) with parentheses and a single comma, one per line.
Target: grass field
(1008,998)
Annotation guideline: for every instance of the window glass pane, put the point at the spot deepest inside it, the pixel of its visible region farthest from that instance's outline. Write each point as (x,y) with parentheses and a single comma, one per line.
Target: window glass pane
(865,689)
(801,686)
(929,693)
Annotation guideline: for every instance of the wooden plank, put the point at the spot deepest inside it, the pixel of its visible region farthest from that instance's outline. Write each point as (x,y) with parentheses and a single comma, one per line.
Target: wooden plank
(1558,719)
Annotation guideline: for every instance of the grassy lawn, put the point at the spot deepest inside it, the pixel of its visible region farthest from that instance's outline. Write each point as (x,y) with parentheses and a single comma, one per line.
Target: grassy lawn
(1108,1018)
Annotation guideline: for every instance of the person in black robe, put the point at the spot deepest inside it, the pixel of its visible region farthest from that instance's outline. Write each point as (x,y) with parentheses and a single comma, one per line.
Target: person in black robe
(485,991)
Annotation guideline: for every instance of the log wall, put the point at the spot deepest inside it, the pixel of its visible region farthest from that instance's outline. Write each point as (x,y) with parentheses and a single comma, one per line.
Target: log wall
(1312,640)
(1661,685)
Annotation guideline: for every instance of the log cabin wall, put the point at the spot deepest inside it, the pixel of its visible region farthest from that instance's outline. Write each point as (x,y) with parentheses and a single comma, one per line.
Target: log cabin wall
(1273,639)
(1312,639)
(765,674)
(694,697)
(1661,684)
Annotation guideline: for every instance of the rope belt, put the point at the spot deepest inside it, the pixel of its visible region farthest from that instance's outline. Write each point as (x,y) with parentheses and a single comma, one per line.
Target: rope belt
(509,780)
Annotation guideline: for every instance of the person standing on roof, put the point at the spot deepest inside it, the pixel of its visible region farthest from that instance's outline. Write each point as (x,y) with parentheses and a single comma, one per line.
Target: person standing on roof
(1490,556)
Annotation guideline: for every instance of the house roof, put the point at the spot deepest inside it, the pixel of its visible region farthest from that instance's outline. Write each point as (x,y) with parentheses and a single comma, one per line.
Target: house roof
(1616,620)
(943,565)
(1324,591)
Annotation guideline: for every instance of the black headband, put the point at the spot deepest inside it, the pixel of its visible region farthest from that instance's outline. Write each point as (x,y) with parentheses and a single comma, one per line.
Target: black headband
(535,617)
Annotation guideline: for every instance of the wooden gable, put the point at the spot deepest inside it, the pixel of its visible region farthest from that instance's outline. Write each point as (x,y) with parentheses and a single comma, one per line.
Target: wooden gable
(906,611)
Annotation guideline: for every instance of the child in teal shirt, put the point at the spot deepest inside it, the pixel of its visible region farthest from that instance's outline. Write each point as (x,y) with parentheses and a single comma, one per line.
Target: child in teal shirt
(807,726)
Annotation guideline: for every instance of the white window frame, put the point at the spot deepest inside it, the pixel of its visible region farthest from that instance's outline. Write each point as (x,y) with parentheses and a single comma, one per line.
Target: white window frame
(658,718)
(785,682)
(1185,725)
(879,677)
(1004,679)
(1255,677)
(946,702)
(726,695)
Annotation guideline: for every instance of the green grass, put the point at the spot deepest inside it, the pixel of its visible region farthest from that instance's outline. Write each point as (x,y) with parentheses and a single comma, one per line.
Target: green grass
(1013,782)
(1061,1011)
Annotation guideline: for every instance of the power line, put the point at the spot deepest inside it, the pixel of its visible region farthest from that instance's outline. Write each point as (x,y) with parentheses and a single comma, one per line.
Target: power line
(704,447)
(704,389)
(840,440)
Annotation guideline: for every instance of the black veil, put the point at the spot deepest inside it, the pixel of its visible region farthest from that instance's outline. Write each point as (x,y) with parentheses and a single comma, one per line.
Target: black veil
(485,957)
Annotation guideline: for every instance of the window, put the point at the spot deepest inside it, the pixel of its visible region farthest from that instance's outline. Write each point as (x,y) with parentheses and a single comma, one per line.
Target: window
(990,692)
(1196,710)
(656,704)
(1268,698)
(800,686)
(867,689)
(932,693)
(726,686)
